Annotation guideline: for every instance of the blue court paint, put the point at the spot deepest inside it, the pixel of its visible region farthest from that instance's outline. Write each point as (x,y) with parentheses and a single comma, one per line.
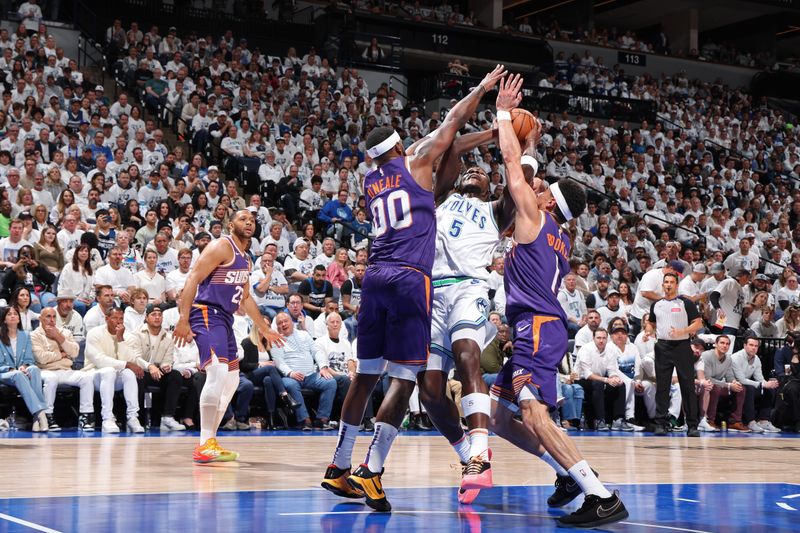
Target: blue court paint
(656,508)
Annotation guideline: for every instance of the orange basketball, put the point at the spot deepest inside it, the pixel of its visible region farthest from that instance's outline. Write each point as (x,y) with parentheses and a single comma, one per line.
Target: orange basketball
(523,122)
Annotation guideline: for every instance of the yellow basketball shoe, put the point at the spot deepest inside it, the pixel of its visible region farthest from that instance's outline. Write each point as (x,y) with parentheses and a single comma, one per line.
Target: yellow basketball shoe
(369,483)
(335,481)
(211,452)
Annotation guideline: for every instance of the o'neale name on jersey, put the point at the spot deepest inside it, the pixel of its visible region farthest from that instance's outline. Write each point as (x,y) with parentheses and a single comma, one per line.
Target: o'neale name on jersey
(557,245)
(469,211)
(389,182)
(237,277)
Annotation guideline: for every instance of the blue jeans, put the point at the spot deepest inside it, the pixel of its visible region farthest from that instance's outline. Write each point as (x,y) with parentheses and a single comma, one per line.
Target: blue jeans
(270,379)
(489,379)
(351,324)
(325,387)
(267,311)
(572,407)
(80,307)
(29,387)
(244,393)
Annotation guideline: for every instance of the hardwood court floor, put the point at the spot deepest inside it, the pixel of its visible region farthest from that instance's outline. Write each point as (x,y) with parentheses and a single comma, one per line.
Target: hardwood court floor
(49,478)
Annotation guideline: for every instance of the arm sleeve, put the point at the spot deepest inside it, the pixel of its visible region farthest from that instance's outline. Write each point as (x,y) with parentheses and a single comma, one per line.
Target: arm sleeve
(714,299)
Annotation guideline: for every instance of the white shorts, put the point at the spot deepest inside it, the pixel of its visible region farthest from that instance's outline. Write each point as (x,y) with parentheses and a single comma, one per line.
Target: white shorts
(460,311)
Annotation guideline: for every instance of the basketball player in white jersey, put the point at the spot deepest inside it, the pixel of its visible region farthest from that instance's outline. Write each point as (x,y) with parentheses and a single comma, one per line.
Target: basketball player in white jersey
(468,231)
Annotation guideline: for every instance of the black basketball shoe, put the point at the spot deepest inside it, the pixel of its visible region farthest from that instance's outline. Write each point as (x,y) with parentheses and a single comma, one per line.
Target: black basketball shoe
(596,511)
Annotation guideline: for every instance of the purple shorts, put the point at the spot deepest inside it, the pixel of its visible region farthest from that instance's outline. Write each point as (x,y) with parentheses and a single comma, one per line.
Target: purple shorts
(213,333)
(394,320)
(540,343)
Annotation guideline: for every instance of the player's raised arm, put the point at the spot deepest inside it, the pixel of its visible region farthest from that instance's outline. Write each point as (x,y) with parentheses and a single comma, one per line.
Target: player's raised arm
(215,254)
(528,214)
(450,166)
(432,146)
(504,209)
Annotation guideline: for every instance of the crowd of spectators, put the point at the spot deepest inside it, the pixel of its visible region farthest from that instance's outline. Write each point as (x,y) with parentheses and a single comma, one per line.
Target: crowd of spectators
(99,210)
(654,43)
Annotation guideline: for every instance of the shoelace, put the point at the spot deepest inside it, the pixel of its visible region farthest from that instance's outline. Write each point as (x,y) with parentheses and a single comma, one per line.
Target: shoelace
(474,467)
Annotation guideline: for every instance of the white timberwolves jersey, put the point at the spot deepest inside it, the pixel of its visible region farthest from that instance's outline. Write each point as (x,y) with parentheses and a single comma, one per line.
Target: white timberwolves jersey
(466,238)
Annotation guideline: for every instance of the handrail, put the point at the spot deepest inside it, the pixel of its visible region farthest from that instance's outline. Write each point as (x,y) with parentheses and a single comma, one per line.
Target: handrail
(696,231)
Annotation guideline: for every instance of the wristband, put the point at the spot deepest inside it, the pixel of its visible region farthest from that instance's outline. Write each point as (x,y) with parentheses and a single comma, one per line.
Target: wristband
(503,115)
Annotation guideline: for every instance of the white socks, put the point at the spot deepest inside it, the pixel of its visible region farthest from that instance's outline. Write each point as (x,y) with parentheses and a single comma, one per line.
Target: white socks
(549,459)
(479,443)
(342,456)
(583,476)
(462,448)
(381,444)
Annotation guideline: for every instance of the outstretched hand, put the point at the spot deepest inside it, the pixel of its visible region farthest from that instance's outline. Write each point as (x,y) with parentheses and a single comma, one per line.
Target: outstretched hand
(490,80)
(509,95)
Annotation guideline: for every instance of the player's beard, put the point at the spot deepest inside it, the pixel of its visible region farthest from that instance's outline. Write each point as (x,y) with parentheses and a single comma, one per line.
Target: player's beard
(471,190)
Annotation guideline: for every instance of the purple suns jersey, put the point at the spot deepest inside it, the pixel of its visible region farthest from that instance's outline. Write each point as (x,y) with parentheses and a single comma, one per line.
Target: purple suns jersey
(533,272)
(224,287)
(403,217)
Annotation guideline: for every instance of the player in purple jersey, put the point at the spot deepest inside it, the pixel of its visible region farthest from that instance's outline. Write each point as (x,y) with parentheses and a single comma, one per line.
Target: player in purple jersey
(536,260)
(394,320)
(219,280)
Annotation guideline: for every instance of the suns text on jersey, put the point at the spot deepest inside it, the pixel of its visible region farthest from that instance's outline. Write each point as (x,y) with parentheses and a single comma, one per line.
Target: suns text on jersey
(558,245)
(382,184)
(237,277)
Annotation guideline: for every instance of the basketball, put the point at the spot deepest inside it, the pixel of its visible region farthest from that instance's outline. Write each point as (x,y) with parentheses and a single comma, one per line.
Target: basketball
(523,122)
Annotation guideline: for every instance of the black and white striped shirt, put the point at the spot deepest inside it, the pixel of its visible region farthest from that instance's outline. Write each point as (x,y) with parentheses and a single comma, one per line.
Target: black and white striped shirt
(677,313)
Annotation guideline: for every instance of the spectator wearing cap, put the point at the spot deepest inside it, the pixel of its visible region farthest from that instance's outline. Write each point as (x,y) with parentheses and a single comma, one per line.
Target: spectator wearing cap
(759,392)
(650,290)
(744,258)
(152,192)
(153,345)
(612,309)
(352,151)
(691,285)
(627,359)
(298,265)
(775,266)
(598,297)
(728,299)
(674,319)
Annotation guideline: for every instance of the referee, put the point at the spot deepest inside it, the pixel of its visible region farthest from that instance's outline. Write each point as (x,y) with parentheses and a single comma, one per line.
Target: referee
(675,319)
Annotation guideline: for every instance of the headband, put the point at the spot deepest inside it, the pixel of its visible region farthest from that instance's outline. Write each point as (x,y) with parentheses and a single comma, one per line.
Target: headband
(561,202)
(530,161)
(384,146)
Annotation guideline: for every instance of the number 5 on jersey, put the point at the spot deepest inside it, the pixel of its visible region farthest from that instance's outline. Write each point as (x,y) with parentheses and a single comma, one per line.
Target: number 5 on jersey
(394,212)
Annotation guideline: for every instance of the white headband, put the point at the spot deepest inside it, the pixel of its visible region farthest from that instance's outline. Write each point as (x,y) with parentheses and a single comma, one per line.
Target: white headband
(531,161)
(561,202)
(384,146)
